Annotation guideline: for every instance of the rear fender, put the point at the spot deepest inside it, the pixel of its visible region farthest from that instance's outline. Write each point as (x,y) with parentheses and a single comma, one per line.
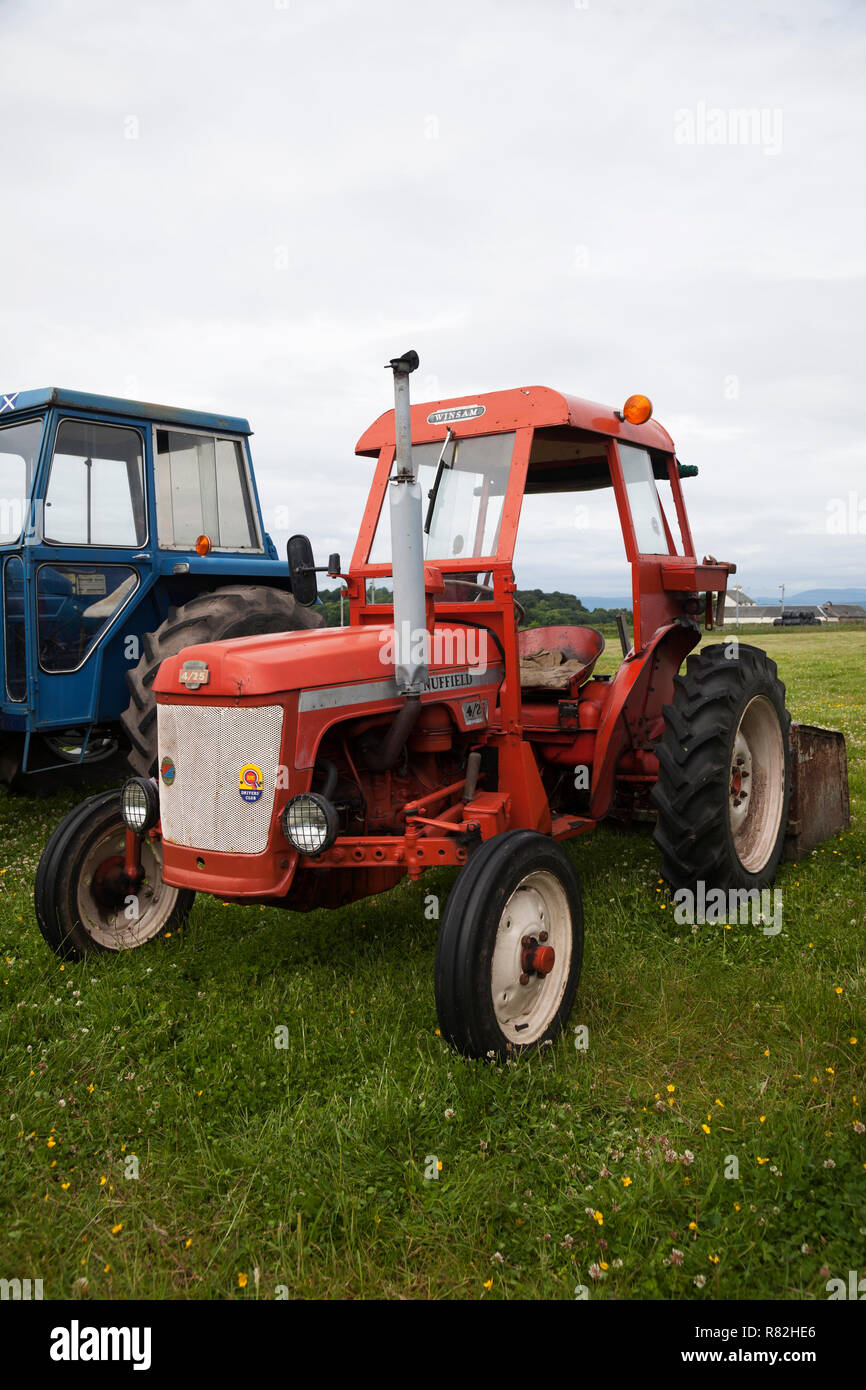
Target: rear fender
(641,686)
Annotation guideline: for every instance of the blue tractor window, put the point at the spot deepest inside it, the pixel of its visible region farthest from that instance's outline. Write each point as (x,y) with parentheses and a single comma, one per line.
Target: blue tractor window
(203,489)
(96,489)
(13,627)
(19,449)
(75,604)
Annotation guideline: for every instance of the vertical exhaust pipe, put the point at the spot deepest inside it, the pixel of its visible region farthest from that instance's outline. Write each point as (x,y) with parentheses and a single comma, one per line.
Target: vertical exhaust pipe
(411,665)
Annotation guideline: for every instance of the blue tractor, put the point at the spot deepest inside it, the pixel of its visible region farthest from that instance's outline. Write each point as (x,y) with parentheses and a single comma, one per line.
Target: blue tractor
(127,532)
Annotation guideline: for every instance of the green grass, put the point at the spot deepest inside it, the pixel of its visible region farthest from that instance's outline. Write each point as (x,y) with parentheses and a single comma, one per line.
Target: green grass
(304,1167)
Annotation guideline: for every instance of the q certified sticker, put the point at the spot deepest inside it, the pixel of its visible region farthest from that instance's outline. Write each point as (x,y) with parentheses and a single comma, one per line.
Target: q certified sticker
(250,782)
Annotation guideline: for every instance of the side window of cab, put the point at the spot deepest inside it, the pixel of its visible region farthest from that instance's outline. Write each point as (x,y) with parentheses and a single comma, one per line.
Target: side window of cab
(203,489)
(95,492)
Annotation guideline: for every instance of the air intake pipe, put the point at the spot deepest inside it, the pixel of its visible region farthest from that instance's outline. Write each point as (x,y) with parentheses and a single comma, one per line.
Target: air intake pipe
(383,757)
(411,666)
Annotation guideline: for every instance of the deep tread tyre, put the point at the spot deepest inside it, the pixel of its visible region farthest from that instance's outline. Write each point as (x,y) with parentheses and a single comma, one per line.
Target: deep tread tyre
(515,885)
(74,918)
(46,870)
(238,610)
(724,772)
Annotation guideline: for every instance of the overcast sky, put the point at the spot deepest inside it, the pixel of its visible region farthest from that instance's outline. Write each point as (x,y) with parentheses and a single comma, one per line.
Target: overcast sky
(250,206)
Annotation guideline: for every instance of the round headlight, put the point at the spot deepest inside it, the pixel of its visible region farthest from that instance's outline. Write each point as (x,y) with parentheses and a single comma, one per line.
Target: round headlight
(310,823)
(139,804)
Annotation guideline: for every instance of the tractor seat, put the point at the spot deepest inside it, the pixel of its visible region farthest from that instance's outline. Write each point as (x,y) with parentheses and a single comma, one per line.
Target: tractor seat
(558,659)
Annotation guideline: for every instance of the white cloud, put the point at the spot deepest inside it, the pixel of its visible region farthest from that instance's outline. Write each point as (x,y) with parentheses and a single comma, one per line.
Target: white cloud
(316,186)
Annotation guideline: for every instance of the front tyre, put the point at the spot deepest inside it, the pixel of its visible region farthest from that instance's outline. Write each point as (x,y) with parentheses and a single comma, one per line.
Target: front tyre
(510,947)
(83,901)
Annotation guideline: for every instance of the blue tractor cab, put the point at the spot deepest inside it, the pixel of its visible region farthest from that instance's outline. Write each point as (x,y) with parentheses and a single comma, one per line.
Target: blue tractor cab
(127,531)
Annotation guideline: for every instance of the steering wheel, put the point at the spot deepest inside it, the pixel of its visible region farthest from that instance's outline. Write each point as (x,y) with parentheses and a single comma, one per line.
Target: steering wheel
(481,590)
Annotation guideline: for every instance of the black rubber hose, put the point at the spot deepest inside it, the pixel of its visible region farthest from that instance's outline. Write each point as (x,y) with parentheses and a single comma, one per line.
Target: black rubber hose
(330,771)
(383,758)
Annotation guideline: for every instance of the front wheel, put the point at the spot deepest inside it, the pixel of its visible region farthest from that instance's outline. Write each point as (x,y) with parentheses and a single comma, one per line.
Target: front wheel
(510,947)
(83,900)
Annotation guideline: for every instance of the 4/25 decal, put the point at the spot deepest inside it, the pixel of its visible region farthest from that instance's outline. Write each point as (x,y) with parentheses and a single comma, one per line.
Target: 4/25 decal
(474,712)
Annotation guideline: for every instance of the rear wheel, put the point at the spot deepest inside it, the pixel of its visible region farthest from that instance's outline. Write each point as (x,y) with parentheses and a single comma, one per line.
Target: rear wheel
(238,610)
(83,900)
(510,947)
(724,772)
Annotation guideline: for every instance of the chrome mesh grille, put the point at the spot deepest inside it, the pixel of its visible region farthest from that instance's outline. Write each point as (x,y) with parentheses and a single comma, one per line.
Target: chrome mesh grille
(202,807)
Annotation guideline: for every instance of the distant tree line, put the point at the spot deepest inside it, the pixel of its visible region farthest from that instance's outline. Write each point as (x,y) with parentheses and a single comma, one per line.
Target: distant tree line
(561,610)
(542,610)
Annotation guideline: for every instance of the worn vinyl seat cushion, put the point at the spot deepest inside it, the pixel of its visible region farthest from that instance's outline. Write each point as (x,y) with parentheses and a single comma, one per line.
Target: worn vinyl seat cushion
(558,659)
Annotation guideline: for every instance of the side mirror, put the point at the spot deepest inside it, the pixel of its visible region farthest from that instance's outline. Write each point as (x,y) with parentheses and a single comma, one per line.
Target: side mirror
(302,570)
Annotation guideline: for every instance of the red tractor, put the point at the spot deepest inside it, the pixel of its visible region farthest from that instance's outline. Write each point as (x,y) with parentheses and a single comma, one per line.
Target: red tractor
(308,769)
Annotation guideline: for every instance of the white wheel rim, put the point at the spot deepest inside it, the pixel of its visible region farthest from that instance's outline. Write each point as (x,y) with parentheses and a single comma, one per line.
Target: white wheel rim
(109,926)
(756,787)
(538,905)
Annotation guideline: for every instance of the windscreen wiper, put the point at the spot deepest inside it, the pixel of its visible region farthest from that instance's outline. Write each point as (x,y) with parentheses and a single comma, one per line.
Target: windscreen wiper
(434,491)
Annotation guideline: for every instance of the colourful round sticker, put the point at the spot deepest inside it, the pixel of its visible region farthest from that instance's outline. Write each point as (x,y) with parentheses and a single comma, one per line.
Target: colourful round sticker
(168,771)
(251,782)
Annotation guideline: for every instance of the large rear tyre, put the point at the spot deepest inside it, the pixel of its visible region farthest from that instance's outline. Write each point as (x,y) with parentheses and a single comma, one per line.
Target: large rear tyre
(83,901)
(724,772)
(238,610)
(510,947)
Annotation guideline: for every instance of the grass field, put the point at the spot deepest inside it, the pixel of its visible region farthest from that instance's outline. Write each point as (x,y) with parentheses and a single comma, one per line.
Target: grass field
(300,1171)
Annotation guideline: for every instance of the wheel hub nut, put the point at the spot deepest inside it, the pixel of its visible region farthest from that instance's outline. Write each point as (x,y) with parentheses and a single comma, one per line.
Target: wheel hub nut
(536,959)
(543,960)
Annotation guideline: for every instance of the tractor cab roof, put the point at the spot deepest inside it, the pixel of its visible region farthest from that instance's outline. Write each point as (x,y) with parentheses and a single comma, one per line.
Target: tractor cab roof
(499,412)
(16,402)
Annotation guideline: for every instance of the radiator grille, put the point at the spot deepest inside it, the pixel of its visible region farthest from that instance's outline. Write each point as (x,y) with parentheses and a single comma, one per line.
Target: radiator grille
(202,806)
